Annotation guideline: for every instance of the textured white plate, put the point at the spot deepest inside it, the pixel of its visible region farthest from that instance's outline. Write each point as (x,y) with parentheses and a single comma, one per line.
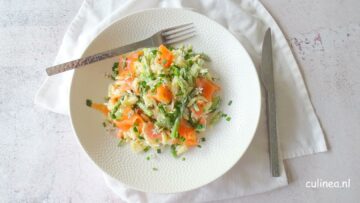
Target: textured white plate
(226,142)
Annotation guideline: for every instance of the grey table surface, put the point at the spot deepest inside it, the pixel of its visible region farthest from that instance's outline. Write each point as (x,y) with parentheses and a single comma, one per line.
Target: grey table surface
(40,160)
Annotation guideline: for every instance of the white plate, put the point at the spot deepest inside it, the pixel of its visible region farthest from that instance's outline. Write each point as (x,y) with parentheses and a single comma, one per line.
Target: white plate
(226,142)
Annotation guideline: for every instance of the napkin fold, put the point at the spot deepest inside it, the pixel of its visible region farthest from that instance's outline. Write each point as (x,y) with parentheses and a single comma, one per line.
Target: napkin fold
(298,127)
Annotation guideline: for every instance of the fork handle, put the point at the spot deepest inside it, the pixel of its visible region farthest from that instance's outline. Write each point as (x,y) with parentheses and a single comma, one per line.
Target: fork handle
(96,57)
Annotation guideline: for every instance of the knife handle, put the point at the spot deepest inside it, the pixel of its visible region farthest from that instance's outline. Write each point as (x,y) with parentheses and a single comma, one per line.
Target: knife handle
(273,141)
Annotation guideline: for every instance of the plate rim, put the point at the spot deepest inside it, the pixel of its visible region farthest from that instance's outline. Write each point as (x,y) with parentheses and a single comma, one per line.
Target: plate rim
(258,85)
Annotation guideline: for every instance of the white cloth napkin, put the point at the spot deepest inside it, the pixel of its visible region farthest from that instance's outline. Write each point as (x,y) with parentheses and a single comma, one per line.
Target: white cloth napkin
(298,127)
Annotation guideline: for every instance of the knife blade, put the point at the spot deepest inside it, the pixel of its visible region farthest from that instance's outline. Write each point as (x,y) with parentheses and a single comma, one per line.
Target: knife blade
(267,75)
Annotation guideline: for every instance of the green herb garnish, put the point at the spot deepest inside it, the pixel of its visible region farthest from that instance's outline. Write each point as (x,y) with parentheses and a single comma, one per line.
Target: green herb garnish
(115,109)
(88,102)
(147,148)
(115,70)
(230,102)
(158,151)
(173,150)
(199,127)
(179,112)
(154,52)
(203,139)
(175,128)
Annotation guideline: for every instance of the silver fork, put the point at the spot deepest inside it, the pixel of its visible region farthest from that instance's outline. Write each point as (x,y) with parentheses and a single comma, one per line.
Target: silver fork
(166,36)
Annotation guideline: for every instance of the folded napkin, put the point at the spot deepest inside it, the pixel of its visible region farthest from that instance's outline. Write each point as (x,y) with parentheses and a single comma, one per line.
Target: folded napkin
(298,127)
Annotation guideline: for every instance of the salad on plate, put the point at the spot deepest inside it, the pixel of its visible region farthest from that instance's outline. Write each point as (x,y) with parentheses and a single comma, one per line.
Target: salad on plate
(161,97)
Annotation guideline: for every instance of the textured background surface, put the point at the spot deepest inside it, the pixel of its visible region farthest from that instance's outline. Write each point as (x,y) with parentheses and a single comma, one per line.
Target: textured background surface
(41,161)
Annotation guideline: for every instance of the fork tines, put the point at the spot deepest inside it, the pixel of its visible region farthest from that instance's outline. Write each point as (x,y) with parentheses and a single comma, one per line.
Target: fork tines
(178,33)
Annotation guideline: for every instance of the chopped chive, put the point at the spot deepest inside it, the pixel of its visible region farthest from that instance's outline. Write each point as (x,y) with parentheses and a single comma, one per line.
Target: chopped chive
(175,128)
(146,148)
(158,151)
(135,129)
(88,102)
(115,109)
(191,62)
(175,70)
(228,118)
(162,108)
(223,115)
(104,124)
(155,169)
(199,146)
(230,102)
(182,139)
(115,66)
(115,70)
(148,158)
(199,127)
(173,151)
(183,159)
(203,139)
(141,137)
(154,52)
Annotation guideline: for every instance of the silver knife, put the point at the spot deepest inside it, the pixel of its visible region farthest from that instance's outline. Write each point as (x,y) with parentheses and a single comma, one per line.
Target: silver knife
(267,75)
